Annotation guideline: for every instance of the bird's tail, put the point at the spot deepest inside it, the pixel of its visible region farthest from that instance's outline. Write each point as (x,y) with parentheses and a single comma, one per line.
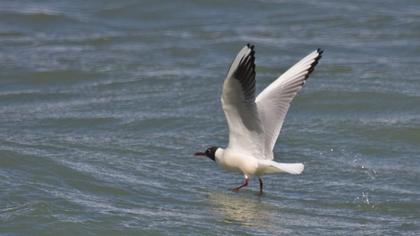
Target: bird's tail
(274,167)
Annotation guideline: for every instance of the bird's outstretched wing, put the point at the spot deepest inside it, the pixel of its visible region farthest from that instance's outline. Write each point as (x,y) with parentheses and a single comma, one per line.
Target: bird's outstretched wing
(274,101)
(238,101)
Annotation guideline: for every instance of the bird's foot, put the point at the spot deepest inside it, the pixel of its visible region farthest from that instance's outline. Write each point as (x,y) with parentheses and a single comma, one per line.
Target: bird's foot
(244,184)
(236,190)
(261,186)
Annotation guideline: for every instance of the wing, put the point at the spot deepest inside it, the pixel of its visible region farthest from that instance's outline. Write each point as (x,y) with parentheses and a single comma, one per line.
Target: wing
(274,101)
(238,101)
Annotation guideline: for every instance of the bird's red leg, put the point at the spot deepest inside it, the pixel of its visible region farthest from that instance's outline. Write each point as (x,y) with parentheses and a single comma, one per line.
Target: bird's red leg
(261,185)
(244,184)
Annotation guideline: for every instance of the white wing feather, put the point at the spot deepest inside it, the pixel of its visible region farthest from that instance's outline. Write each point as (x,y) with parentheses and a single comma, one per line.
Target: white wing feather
(238,101)
(274,101)
(255,123)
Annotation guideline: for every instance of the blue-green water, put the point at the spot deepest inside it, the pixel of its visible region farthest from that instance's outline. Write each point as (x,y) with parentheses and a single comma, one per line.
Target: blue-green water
(102,104)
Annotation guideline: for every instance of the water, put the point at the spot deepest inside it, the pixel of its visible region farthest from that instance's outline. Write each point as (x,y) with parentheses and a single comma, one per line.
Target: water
(102,104)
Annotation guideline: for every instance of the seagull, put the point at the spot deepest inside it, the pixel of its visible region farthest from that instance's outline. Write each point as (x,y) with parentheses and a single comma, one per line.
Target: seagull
(255,121)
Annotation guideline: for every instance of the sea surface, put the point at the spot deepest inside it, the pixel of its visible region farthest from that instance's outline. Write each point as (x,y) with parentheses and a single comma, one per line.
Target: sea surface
(103,103)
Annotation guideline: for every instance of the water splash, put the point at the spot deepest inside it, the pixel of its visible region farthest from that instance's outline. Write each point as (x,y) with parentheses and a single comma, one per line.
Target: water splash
(363,201)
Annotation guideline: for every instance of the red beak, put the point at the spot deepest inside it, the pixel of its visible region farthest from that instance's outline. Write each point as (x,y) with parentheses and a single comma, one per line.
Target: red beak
(199,154)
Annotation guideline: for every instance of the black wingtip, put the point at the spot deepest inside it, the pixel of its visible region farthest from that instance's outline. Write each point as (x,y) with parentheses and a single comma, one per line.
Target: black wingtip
(320,51)
(250,46)
(316,61)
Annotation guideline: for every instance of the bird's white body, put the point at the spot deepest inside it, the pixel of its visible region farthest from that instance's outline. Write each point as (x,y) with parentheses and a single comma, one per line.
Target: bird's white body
(255,121)
(248,165)
(236,161)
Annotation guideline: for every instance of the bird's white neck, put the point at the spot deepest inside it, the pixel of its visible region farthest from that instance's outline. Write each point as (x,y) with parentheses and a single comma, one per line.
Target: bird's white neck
(219,154)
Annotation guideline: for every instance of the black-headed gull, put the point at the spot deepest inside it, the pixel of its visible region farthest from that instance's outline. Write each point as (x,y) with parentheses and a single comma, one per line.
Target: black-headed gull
(255,121)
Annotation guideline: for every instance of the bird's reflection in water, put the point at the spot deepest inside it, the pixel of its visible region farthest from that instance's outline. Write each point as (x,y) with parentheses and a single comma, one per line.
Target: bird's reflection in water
(246,209)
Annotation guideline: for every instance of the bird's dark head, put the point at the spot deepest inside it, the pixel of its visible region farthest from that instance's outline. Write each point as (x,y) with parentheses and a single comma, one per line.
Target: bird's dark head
(210,153)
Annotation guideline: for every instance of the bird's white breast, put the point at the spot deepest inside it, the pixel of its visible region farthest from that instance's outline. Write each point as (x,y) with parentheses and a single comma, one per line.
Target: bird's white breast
(236,161)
